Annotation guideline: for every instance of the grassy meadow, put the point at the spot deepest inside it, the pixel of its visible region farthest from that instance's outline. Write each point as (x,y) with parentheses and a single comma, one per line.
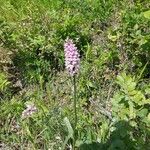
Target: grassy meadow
(111,93)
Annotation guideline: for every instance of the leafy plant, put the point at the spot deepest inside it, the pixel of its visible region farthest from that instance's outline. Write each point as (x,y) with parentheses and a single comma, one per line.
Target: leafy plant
(3,82)
(131,105)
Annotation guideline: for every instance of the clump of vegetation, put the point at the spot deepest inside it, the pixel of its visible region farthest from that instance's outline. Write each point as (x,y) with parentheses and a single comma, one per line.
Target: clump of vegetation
(113,89)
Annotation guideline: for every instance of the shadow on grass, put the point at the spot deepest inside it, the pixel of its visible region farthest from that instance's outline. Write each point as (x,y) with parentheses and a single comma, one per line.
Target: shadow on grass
(92,146)
(120,139)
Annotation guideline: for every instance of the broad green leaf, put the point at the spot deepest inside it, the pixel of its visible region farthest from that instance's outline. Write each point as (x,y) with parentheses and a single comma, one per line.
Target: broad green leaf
(120,79)
(147,90)
(70,132)
(68,125)
(142,113)
(147,14)
(147,120)
(133,123)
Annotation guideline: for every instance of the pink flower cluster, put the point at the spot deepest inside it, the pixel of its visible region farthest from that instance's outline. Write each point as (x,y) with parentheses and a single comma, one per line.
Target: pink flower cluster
(72,60)
(29,110)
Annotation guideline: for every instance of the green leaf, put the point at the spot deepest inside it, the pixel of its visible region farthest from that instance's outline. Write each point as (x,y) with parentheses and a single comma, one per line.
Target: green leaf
(142,113)
(68,125)
(90,84)
(132,111)
(147,14)
(133,123)
(147,90)
(70,132)
(113,37)
(88,52)
(148,117)
(120,79)
(147,120)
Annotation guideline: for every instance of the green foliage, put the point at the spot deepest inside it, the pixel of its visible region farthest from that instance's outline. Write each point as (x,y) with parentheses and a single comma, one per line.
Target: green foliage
(3,82)
(37,29)
(131,39)
(36,131)
(131,105)
(147,14)
(112,37)
(70,132)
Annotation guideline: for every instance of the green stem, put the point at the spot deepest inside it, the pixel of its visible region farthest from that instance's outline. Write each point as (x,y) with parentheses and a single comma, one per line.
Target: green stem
(75,110)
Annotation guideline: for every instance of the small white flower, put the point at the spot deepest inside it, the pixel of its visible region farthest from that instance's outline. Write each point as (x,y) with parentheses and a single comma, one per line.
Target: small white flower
(31,108)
